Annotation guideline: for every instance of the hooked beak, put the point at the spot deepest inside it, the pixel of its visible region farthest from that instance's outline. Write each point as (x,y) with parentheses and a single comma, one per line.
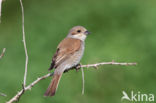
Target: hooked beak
(87,32)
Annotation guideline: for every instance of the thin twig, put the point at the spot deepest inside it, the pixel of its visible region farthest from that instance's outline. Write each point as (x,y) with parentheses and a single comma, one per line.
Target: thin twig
(25,47)
(20,93)
(83,81)
(2,94)
(106,63)
(2,54)
(0,9)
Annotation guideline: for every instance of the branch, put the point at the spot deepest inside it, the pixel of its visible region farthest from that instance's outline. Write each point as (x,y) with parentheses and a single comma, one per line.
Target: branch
(105,63)
(2,54)
(2,94)
(83,81)
(0,9)
(21,92)
(25,47)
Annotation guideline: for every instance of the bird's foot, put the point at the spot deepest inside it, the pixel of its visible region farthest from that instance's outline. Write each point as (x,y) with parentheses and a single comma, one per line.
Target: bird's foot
(77,67)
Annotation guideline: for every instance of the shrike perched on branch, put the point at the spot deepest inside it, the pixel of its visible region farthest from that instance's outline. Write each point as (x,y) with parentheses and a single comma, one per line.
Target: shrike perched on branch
(68,54)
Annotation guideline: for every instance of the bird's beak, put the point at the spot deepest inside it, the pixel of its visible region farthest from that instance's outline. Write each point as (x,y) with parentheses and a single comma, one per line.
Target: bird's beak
(87,32)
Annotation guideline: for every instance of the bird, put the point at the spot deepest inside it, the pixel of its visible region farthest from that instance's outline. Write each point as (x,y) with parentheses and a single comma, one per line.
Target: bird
(68,55)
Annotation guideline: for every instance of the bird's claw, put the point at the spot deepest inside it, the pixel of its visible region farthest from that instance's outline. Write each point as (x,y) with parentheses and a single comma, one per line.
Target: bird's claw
(77,67)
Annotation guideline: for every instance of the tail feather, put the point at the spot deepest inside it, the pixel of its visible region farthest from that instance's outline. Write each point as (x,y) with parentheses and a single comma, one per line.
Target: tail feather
(53,85)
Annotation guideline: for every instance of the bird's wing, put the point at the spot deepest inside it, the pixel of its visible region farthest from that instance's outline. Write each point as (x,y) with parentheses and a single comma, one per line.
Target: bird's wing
(64,51)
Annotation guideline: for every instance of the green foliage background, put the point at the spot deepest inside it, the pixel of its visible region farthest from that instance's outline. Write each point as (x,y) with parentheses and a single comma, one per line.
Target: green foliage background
(122,30)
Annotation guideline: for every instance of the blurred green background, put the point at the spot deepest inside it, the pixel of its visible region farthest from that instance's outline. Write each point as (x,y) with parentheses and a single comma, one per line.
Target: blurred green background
(122,30)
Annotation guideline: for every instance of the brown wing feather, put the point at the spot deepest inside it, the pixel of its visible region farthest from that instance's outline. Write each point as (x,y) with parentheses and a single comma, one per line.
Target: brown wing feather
(53,60)
(67,47)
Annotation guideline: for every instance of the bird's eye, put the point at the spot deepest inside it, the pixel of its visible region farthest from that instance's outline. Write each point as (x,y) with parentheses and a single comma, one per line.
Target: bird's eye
(78,31)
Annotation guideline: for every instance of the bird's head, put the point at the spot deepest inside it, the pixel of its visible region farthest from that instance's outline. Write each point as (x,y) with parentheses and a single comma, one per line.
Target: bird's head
(78,32)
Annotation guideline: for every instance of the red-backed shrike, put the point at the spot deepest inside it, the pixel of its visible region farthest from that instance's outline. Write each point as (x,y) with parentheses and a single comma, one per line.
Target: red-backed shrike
(69,53)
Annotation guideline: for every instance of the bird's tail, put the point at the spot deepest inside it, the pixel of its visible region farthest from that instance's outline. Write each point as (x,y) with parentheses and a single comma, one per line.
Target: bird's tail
(53,85)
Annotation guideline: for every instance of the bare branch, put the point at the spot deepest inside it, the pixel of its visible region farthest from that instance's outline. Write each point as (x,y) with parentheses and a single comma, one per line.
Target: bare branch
(83,81)
(105,63)
(0,9)
(25,47)
(2,54)
(20,93)
(2,94)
